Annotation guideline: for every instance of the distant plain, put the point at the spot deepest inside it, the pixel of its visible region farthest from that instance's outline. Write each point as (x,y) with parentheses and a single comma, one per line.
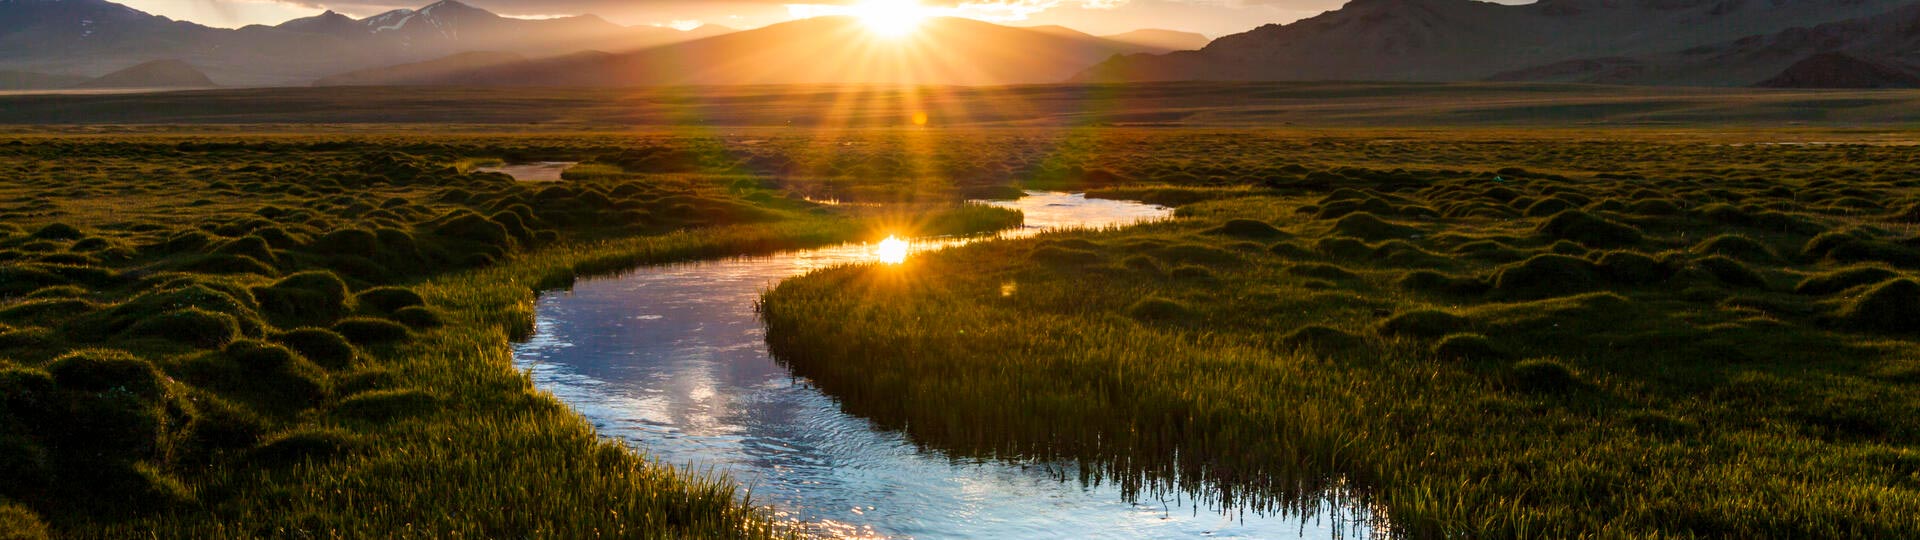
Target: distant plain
(1203,104)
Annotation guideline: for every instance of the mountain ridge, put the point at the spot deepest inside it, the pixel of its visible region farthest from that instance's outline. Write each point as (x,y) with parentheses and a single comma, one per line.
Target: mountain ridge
(942,51)
(1171,40)
(1601,41)
(1800,43)
(90,37)
(152,74)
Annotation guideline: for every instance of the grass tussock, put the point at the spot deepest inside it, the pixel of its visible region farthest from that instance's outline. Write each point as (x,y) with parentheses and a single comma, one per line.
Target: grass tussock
(1508,353)
(245,347)
(305,335)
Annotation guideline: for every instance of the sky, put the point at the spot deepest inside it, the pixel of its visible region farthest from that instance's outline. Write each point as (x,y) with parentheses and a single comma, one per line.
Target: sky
(1214,18)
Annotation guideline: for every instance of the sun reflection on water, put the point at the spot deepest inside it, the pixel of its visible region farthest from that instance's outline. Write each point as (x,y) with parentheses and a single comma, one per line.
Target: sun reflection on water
(893,250)
(674,358)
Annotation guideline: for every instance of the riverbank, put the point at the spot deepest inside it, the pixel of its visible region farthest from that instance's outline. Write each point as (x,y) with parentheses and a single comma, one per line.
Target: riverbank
(452,433)
(318,347)
(1684,339)
(672,358)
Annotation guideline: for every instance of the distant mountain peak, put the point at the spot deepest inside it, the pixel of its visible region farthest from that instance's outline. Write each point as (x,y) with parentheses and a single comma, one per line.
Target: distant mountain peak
(331,22)
(443,18)
(389,21)
(444,6)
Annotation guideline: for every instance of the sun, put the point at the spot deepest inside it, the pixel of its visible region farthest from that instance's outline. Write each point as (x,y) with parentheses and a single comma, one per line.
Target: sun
(891,251)
(890,18)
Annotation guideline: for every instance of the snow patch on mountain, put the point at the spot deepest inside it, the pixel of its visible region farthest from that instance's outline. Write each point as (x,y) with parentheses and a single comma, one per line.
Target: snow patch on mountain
(386,21)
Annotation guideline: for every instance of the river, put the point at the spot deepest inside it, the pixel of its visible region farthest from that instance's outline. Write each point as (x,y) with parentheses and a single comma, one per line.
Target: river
(673,359)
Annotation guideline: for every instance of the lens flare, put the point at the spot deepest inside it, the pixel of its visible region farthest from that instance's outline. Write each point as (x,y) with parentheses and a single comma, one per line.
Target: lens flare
(891,251)
(890,18)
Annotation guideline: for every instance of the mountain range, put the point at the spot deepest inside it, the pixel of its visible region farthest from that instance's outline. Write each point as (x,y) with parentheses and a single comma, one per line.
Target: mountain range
(1652,42)
(833,49)
(1770,43)
(91,37)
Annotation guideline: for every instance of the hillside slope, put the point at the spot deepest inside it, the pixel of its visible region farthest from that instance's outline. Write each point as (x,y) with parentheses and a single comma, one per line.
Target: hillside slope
(154,74)
(1688,42)
(943,51)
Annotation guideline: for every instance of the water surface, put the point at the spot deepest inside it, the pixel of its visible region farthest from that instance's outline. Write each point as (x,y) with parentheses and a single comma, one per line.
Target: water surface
(673,358)
(538,171)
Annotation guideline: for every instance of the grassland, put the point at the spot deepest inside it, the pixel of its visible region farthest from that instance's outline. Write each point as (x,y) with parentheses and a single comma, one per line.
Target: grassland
(301,331)
(307,336)
(1471,334)
(1211,104)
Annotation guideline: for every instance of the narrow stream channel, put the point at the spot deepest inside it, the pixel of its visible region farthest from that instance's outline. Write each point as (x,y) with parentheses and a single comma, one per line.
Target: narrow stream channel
(673,358)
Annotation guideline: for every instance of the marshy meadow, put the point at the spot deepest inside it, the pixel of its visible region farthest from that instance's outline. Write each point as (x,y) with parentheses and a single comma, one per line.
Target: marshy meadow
(766,332)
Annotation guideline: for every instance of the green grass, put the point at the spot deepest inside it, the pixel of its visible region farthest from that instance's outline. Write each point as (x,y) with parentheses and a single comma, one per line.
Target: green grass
(310,339)
(1480,333)
(1436,346)
(440,432)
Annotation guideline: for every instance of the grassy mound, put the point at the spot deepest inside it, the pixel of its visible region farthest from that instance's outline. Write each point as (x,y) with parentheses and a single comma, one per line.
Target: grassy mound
(1159,310)
(389,299)
(1423,323)
(1893,306)
(1467,347)
(192,326)
(1737,247)
(1369,227)
(370,331)
(306,297)
(1590,230)
(418,317)
(1843,279)
(1631,268)
(1248,228)
(107,371)
(1323,339)
(1544,276)
(1544,375)
(322,346)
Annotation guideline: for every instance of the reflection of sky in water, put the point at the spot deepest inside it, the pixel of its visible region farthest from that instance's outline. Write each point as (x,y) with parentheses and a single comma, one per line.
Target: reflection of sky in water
(673,358)
(538,171)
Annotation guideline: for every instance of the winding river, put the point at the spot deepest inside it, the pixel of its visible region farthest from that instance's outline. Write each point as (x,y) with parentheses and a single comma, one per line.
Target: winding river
(673,359)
